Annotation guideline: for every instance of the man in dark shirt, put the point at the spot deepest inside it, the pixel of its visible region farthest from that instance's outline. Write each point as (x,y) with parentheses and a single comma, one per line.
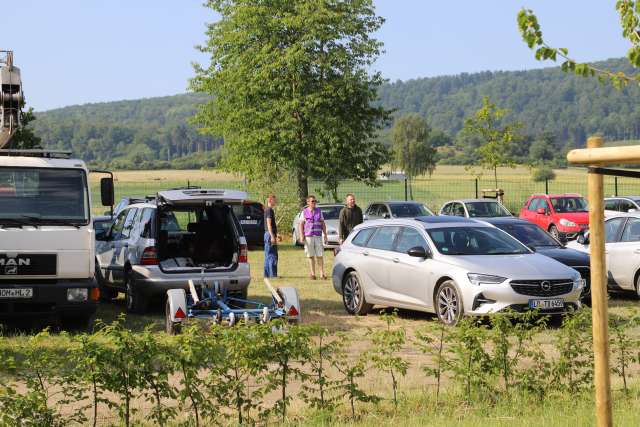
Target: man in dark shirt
(350,216)
(270,239)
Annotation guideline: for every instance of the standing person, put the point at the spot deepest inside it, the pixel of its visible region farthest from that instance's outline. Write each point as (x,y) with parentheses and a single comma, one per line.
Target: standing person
(270,239)
(313,228)
(350,216)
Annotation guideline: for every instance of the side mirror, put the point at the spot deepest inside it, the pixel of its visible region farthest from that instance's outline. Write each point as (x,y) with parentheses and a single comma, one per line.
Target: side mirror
(541,211)
(106,191)
(583,239)
(418,252)
(386,216)
(365,217)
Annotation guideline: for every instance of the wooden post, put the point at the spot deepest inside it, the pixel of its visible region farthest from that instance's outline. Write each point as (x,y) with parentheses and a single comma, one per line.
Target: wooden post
(599,294)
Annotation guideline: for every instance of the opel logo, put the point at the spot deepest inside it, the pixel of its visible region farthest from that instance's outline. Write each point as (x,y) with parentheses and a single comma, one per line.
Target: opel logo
(546,286)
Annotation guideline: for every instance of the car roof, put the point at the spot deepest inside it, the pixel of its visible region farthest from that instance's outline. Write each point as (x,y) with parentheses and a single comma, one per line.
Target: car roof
(426,222)
(506,220)
(396,202)
(634,198)
(472,200)
(555,196)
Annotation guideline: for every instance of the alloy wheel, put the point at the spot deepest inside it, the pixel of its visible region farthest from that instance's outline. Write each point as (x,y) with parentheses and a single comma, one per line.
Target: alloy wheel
(351,293)
(448,304)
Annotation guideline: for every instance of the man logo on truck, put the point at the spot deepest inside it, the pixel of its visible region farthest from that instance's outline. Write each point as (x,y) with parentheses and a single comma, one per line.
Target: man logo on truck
(8,262)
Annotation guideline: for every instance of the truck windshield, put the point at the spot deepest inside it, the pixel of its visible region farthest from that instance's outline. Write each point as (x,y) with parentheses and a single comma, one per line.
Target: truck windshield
(43,195)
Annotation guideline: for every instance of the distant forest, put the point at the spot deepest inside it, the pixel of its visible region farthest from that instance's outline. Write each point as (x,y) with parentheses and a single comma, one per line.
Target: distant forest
(557,110)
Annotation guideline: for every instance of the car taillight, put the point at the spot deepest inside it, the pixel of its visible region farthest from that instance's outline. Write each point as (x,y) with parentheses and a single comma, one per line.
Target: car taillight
(94,294)
(244,254)
(149,256)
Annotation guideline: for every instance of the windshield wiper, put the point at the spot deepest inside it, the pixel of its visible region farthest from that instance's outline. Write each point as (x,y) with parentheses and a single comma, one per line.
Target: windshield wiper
(57,221)
(20,221)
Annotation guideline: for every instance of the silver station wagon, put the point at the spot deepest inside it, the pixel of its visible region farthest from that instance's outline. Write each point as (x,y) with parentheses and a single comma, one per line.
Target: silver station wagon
(449,266)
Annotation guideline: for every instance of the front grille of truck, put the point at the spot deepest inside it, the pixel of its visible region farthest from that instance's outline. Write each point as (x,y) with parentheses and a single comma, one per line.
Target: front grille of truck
(542,288)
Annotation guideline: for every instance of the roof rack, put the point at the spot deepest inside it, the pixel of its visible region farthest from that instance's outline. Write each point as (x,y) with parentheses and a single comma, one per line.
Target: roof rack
(47,154)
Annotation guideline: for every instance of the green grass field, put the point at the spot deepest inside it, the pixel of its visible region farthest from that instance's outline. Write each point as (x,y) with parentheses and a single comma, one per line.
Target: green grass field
(447,183)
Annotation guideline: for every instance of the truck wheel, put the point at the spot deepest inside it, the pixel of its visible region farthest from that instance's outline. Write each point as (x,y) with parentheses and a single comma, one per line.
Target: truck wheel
(83,323)
(170,327)
(106,293)
(134,299)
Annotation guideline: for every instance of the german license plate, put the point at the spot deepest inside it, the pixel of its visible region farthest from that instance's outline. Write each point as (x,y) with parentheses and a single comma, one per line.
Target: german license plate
(546,304)
(16,293)
(249,221)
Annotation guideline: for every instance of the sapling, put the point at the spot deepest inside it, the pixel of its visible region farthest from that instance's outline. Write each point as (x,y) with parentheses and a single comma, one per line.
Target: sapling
(320,391)
(288,348)
(386,346)
(155,367)
(434,347)
(621,345)
(351,372)
(573,369)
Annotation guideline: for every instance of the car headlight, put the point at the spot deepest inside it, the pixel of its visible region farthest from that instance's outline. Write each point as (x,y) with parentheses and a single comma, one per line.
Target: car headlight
(567,223)
(77,294)
(486,279)
(578,282)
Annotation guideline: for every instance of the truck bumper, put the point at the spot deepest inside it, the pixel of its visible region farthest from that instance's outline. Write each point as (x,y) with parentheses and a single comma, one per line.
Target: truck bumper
(49,299)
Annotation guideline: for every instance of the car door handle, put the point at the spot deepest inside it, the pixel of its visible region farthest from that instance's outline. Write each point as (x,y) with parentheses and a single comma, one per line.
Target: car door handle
(396,260)
(365,253)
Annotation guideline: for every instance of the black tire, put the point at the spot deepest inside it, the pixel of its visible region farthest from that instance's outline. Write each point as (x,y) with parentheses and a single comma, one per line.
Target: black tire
(135,301)
(171,328)
(637,285)
(353,295)
(82,323)
(448,303)
(106,293)
(553,230)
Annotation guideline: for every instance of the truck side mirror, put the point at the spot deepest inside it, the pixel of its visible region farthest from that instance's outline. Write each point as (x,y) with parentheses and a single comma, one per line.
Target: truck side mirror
(106,191)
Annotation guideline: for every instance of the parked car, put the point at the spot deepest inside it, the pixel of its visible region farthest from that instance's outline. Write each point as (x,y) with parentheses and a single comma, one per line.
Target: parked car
(162,244)
(542,242)
(396,209)
(101,225)
(624,204)
(450,266)
(251,217)
(475,208)
(331,215)
(562,215)
(622,251)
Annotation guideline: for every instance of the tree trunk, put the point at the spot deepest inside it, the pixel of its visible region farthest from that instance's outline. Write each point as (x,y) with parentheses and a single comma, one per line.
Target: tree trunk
(303,187)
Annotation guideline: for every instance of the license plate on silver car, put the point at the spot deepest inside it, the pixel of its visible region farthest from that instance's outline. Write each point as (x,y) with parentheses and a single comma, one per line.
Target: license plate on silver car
(16,293)
(546,304)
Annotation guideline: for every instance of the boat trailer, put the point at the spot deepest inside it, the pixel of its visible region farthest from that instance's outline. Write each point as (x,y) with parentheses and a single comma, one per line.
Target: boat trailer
(212,302)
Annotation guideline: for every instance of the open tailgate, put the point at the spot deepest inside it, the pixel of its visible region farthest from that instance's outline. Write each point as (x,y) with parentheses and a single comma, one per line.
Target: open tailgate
(189,197)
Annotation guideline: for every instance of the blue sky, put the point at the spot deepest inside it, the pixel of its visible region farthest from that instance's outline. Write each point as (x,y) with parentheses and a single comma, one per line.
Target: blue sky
(80,51)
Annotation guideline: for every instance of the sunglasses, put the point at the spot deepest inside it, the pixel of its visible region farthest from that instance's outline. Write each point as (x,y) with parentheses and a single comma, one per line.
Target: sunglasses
(312,201)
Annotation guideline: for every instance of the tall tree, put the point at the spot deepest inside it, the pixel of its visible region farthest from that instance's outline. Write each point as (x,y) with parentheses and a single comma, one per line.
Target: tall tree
(412,148)
(290,85)
(496,137)
(24,138)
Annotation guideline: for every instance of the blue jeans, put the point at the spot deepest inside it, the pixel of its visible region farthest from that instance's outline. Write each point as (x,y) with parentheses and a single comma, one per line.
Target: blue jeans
(270,257)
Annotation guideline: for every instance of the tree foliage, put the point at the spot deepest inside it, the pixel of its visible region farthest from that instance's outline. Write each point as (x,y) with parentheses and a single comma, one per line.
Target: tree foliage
(412,148)
(495,136)
(25,138)
(629,13)
(290,84)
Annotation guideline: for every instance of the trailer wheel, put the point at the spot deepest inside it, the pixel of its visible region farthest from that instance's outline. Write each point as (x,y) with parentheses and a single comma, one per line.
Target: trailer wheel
(171,327)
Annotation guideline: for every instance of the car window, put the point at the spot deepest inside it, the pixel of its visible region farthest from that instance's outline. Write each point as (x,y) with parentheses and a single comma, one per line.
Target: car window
(383,210)
(118,224)
(372,210)
(533,205)
(147,222)
(625,205)
(408,210)
(569,204)
(475,241)
(446,209)
(169,222)
(457,209)
(611,205)
(410,238)
(251,210)
(383,238)
(101,227)
(529,234)
(330,212)
(361,238)
(631,231)
(487,209)
(129,222)
(612,228)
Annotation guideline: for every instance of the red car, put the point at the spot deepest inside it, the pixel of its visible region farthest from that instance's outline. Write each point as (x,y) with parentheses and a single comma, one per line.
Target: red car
(562,215)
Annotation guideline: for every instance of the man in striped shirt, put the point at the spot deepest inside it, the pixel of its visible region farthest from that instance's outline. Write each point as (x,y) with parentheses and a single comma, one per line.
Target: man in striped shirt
(313,228)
